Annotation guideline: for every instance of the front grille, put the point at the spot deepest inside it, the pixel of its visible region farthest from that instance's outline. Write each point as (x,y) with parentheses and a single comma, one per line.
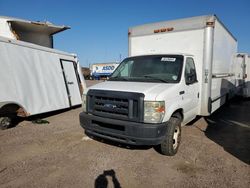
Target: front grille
(111,105)
(116,105)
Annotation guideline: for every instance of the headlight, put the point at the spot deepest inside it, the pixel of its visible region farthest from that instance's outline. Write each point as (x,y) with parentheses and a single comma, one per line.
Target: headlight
(84,100)
(154,111)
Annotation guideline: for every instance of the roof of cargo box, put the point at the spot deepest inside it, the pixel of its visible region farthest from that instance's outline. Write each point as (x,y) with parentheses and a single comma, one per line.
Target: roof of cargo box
(34,26)
(191,23)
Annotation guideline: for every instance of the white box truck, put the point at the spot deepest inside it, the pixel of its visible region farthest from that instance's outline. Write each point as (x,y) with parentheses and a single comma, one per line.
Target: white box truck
(246,88)
(243,72)
(34,77)
(176,70)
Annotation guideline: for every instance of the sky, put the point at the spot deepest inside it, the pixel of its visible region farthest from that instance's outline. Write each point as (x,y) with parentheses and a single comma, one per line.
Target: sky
(99,28)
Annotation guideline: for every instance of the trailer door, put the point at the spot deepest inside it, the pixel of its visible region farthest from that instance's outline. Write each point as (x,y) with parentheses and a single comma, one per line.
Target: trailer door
(71,82)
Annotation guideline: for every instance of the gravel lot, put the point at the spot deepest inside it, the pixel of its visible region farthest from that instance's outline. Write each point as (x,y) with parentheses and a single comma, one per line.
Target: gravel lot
(215,152)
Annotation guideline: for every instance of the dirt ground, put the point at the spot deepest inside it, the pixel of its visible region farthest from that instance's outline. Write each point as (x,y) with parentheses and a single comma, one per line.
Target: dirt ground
(215,152)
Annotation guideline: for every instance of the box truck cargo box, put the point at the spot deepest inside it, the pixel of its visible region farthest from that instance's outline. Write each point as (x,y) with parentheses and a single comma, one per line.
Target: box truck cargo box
(246,90)
(240,72)
(244,60)
(34,77)
(176,70)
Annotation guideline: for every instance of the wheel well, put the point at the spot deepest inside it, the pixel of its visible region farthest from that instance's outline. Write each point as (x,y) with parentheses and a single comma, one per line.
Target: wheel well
(13,109)
(178,113)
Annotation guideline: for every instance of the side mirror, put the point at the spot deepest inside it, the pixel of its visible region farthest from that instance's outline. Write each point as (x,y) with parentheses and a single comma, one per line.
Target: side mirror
(190,78)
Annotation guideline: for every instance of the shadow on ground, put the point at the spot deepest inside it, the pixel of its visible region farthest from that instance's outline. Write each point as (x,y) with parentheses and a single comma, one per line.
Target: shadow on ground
(40,118)
(102,181)
(230,128)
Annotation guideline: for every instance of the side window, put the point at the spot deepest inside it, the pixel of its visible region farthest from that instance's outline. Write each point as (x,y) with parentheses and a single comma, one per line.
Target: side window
(124,69)
(190,72)
(127,69)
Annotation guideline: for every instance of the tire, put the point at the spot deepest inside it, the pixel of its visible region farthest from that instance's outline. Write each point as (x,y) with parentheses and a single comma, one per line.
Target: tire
(172,139)
(5,123)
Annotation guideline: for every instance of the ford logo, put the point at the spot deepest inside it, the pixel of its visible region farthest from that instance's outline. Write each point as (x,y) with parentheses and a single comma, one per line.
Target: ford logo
(110,106)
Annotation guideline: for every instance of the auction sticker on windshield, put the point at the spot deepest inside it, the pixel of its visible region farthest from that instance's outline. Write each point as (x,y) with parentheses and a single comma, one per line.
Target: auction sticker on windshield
(172,59)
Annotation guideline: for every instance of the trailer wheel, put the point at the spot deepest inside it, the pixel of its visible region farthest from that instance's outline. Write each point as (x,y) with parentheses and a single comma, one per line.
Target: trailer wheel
(172,139)
(5,123)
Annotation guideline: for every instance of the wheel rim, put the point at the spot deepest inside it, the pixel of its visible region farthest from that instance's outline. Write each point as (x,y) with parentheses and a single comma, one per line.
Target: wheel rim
(176,137)
(5,122)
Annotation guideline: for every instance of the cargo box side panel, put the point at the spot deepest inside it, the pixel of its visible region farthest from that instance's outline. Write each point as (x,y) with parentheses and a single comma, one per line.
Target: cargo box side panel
(7,84)
(53,84)
(246,90)
(38,78)
(247,79)
(223,73)
(189,42)
(239,70)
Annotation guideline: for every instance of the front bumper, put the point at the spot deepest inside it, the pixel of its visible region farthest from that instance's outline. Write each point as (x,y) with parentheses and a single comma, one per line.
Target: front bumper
(123,131)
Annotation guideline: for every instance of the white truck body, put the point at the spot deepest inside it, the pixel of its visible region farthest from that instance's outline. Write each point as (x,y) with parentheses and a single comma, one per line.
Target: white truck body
(194,36)
(243,72)
(175,71)
(239,69)
(34,77)
(246,90)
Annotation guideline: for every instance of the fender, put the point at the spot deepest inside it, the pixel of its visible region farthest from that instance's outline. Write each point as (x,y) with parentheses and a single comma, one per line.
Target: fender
(19,110)
(170,110)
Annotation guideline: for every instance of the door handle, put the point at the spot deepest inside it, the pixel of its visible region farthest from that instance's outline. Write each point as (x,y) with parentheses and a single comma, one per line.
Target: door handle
(70,83)
(181,92)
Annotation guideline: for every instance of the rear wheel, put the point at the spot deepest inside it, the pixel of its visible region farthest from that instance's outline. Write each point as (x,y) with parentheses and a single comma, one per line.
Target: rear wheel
(172,139)
(5,122)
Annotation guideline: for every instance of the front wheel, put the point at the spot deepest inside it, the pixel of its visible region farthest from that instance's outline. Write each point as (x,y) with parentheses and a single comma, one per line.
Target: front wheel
(172,139)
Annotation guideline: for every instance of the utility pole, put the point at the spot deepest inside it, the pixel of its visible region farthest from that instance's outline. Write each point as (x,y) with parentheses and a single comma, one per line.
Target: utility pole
(120,56)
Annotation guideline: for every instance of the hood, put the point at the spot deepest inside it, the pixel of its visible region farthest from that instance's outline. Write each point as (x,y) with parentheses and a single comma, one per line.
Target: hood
(150,90)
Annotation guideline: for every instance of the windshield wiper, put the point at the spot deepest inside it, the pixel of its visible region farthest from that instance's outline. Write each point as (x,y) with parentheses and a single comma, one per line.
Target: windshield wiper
(118,78)
(155,78)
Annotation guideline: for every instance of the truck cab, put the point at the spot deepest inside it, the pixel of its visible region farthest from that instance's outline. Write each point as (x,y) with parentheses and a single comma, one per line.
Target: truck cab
(146,99)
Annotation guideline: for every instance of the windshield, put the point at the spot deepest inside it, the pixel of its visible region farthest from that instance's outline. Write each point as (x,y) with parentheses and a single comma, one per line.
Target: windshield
(150,68)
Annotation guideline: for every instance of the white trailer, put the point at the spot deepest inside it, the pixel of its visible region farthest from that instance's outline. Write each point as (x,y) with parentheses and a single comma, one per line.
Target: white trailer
(34,77)
(176,70)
